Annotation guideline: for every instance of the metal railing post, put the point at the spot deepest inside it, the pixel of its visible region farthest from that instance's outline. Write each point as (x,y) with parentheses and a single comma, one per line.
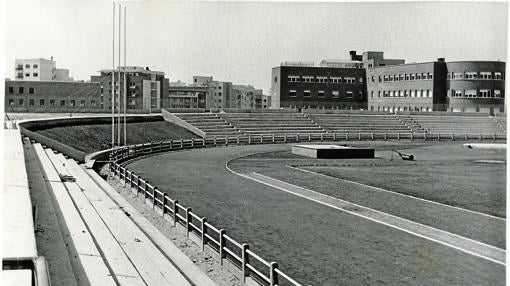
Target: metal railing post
(164,204)
(175,212)
(154,197)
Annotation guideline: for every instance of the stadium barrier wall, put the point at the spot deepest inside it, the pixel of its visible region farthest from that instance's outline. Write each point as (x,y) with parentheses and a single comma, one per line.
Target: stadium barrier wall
(239,254)
(169,117)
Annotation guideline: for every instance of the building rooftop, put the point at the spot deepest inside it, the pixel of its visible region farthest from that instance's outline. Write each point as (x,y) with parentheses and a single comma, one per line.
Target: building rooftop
(133,69)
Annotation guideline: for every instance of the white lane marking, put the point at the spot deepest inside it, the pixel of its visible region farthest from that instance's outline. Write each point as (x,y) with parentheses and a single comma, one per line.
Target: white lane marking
(397,193)
(501,252)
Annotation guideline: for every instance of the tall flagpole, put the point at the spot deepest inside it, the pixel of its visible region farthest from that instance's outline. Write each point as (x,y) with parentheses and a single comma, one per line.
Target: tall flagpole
(118,124)
(113,79)
(125,83)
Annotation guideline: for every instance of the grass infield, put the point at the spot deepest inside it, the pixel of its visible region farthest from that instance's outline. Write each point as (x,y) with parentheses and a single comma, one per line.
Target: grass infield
(314,243)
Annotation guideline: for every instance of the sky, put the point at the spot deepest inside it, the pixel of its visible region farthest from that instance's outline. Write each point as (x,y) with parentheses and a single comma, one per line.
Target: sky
(242,41)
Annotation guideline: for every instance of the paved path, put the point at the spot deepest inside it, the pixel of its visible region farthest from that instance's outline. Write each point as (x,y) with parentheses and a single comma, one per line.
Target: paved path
(466,245)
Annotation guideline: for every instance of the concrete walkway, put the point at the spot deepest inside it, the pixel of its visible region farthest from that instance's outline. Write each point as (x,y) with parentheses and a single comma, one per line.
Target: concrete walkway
(466,245)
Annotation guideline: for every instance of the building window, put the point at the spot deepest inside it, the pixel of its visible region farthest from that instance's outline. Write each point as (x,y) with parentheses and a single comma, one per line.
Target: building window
(372,94)
(20,101)
(93,103)
(20,90)
(413,93)
(471,75)
(31,90)
(430,76)
(379,93)
(11,101)
(52,102)
(27,66)
(497,93)
(406,93)
(322,79)
(373,78)
(308,79)
(485,75)
(413,77)
(72,103)
(82,103)
(335,79)
(407,77)
(35,66)
(293,78)
(457,93)
(348,94)
(498,76)
(321,93)
(385,78)
(20,75)
(275,79)
(154,85)
(11,89)
(485,93)
(401,93)
(31,102)
(350,79)
(335,93)
(307,93)
(41,102)
(35,74)
(62,102)
(470,93)
(27,75)
(360,80)
(429,93)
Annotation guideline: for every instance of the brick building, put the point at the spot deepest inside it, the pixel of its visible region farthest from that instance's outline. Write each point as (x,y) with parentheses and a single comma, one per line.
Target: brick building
(52,96)
(186,97)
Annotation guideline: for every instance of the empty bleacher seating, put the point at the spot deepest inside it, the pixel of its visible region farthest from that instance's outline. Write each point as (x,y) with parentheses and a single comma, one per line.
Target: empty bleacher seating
(272,123)
(211,124)
(458,124)
(360,123)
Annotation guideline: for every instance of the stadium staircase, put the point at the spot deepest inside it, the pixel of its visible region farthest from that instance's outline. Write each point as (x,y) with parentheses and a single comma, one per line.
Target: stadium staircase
(262,123)
(361,123)
(108,240)
(211,124)
(463,124)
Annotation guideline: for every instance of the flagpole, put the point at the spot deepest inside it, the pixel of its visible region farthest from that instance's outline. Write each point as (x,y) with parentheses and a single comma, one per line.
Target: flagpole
(125,83)
(113,79)
(119,124)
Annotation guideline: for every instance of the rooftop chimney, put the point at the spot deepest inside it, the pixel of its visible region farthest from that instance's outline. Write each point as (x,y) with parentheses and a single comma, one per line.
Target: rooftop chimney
(441,60)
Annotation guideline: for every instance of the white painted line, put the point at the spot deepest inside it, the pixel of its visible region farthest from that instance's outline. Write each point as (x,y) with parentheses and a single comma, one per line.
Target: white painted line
(498,255)
(396,193)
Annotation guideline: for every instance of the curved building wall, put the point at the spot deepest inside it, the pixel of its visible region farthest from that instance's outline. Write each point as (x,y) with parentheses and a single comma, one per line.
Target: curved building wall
(475,86)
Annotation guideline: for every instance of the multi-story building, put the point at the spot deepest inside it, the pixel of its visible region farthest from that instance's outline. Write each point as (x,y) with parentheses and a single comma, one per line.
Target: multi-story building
(407,87)
(145,88)
(219,92)
(467,86)
(475,86)
(333,84)
(52,96)
(247,97)
(181,97)
(39,70)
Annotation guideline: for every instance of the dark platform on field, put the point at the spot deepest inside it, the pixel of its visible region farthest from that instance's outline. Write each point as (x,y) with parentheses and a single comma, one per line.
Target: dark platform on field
(333,152)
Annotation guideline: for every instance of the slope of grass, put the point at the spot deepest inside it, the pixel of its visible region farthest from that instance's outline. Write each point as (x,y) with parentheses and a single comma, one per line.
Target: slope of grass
(95,137)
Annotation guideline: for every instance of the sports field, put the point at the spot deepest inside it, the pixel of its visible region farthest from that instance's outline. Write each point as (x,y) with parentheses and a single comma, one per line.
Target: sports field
(448,192)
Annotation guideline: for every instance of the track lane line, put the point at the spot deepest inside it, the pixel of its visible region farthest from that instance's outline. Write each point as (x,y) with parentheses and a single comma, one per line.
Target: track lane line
(396,193)
(472,247)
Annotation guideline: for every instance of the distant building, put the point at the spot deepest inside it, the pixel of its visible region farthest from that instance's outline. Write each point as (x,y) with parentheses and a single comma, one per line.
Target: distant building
(145,88)
(376,59)
(39,70)
(52,96)
(183,97)
(246,97)
(466,86)
(332,84)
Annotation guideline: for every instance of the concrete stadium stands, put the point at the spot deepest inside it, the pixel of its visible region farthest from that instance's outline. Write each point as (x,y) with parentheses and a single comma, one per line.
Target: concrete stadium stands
(360,123)
(106,246)
(211,124)
(272,123)
(456,124)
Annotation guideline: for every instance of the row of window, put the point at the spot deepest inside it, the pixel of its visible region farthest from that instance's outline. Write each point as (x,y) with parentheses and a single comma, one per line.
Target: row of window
(323,79)
(404,77)
(21,90)
(403,93)
(482,93)
(322,93)
(20,75)
(404,108)
(52,102)
(35,66)
(475,75)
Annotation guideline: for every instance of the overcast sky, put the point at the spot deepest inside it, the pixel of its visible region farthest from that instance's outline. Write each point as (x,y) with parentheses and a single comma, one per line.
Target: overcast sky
(242,41)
